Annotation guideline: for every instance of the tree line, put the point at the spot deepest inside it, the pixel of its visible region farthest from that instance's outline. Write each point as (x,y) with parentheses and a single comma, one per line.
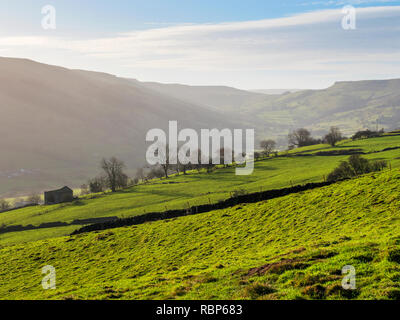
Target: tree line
(113,176)
(33,199)
(303,138)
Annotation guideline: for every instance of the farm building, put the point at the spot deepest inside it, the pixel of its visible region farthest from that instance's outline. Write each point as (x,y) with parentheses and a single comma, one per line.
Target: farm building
(58,196)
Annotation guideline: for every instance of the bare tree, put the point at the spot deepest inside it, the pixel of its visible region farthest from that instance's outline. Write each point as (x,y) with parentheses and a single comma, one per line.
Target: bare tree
(115,176)
(184,166)
(163,155)
(334,136)
(204,162)
(122,180)
(268,146)
(84,189)
(199,164)
(4,205)
(209,165)
(300,138)
(34,199)
(222,156)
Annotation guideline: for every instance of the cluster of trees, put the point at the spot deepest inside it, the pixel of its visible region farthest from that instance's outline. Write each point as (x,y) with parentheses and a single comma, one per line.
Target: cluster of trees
(113,177)
(166,168)
(355,166)
(302,138)
(366,134)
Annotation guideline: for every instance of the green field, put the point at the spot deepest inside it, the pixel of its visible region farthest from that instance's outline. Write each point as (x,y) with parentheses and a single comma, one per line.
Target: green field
(194,189)
(292,247)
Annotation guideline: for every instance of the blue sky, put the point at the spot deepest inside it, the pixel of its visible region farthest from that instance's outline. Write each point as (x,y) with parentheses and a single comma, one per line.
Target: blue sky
(248,44)
(106,16)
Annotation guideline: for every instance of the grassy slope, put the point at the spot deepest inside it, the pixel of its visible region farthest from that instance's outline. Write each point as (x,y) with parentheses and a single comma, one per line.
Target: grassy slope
(209,256)
(194,189)
(366,145)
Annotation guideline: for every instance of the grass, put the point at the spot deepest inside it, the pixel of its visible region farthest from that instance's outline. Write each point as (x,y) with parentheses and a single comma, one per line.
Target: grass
(292,247)
(194,189)
(366,145)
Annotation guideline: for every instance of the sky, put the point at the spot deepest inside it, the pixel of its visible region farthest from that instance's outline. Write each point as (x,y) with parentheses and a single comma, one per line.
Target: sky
(252,44)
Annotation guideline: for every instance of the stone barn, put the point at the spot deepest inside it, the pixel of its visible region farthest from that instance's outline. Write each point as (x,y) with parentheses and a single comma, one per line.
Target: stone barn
(58,196)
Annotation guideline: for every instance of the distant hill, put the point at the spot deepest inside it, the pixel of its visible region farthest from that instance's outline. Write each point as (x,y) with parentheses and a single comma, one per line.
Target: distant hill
(56,124)
(276,91)
(350,105)
(217,97)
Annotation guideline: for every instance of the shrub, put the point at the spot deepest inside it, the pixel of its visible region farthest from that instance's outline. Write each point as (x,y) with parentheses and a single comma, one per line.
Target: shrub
(359,164)
(378,165)
(355,166)
(343,171)
(97,184)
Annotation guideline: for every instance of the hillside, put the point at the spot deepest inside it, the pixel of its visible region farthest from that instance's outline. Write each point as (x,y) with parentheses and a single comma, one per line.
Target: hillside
(287,248)
(56,124)
(303,165)
(217,97)
(350,105)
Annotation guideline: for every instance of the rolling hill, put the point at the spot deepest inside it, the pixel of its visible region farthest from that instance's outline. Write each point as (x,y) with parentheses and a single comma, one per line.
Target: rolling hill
(56,124)
(300,166)
(292,247)
(352,106)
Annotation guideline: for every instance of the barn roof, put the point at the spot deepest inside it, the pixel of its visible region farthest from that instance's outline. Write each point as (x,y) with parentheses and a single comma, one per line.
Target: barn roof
(63,189)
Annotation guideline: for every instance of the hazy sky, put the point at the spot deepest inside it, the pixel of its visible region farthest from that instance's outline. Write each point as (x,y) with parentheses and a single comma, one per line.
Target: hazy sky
(247,44)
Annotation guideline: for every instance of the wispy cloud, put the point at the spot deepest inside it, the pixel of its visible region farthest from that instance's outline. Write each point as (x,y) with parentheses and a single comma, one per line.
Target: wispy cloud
(346,2)
(309,49)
